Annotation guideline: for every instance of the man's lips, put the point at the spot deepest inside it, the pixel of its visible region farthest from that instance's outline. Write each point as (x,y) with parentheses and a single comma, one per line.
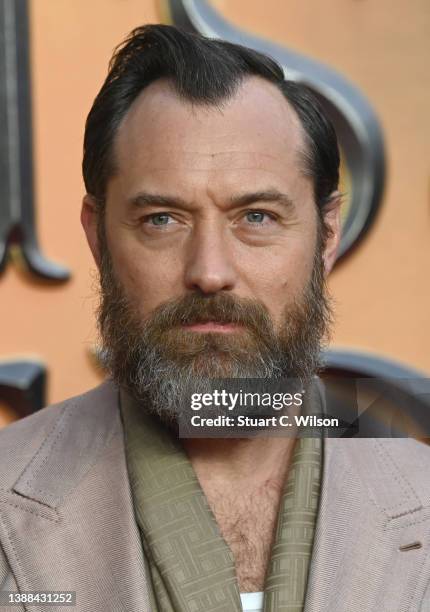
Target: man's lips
(212,326)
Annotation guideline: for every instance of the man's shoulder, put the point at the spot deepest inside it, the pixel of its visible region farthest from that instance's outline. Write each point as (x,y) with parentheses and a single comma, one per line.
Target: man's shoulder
(28,429)
(23,439)
(405,452)
(393,468)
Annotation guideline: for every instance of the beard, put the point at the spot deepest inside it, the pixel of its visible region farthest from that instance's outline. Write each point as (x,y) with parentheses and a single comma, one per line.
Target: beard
(160,363)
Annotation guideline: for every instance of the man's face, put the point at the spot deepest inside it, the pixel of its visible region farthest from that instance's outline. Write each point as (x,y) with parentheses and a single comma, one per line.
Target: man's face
(211,232)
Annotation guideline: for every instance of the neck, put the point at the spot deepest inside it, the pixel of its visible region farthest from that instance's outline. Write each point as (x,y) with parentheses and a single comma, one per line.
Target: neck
(242,463)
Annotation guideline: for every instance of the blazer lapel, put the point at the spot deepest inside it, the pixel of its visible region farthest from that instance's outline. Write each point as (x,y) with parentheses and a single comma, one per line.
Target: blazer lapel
(68,523)
(373,529)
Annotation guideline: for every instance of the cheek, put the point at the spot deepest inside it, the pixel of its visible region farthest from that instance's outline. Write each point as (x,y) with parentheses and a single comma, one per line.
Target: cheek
(279,275)
(148,278)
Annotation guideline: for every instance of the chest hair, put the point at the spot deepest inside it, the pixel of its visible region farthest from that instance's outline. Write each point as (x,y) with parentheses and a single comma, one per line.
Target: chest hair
(247,523)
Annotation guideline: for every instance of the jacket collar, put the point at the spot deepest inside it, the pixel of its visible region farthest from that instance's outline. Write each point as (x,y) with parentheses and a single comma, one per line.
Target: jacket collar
(68,523)
(84,427)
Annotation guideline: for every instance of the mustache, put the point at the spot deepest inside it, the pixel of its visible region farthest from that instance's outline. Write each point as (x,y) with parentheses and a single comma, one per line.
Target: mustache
(222,307)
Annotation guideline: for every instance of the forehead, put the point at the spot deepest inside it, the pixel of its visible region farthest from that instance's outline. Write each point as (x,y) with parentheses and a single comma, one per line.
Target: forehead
(256,135)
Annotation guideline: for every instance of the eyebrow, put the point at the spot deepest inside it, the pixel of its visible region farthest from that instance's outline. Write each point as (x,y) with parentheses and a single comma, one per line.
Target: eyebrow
(143,199)
(269,195)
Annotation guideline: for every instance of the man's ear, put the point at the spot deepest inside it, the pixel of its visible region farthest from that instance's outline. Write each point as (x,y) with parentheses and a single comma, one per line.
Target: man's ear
(89,219)
(332,221)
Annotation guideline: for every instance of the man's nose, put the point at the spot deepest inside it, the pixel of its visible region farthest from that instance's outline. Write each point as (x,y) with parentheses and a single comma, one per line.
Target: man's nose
(209,266)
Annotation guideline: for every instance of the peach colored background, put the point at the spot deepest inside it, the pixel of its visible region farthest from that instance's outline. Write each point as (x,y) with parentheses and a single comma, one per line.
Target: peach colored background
(382,290)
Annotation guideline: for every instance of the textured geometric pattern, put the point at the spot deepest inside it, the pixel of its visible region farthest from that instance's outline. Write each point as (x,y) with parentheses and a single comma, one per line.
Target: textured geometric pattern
(191,566)
(287,575)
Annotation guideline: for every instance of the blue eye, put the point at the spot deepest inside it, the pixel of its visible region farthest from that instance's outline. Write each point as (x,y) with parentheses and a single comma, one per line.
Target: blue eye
(160,219)
(255,216)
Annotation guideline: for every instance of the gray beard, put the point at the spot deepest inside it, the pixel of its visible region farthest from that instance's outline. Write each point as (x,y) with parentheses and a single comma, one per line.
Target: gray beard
(165,387)
(162,381)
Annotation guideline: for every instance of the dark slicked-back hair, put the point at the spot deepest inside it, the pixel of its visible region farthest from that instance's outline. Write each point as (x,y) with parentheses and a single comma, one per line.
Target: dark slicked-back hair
(202,71)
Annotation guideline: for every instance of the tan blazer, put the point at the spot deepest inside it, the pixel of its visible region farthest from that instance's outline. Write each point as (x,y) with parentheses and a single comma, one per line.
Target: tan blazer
(66,516)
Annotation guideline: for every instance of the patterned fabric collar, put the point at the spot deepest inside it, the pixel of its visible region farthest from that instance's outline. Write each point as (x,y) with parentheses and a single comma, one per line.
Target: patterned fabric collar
(190,565)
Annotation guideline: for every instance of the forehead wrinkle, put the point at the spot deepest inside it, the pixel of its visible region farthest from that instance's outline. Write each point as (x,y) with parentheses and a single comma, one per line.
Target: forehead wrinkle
(207,162)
